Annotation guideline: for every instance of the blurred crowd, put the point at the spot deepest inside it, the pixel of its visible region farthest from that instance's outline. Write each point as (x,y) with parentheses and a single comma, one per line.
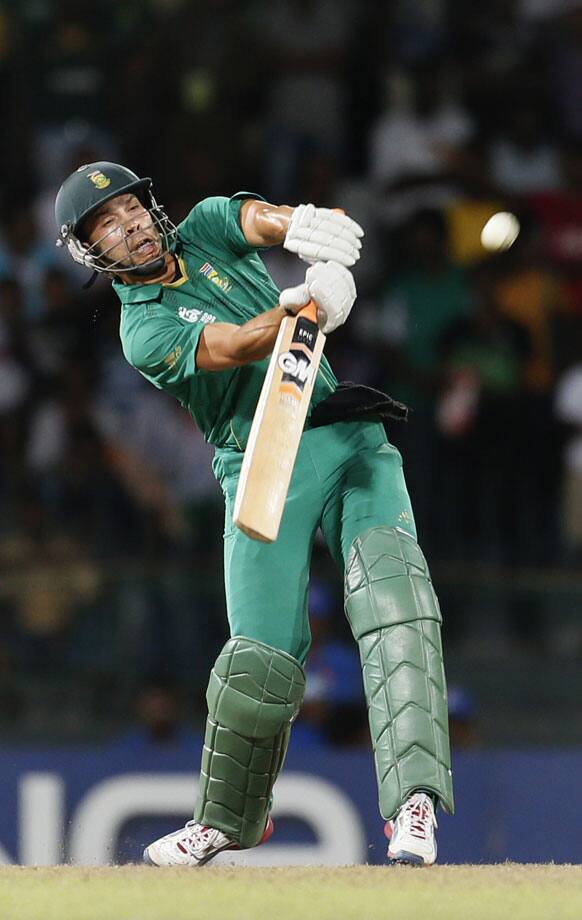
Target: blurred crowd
(421,118)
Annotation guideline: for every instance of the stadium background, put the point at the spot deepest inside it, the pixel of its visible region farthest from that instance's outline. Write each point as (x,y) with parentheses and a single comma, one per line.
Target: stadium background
(421,118)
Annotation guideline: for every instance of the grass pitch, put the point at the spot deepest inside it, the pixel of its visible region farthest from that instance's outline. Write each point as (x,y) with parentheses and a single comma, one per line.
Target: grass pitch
(506,892)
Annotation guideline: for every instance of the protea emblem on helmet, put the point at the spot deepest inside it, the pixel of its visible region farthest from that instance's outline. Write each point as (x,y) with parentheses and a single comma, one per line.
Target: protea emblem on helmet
(98,179)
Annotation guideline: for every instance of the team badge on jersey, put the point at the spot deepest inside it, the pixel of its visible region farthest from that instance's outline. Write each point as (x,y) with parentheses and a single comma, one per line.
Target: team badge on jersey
(99,179)
(209,272)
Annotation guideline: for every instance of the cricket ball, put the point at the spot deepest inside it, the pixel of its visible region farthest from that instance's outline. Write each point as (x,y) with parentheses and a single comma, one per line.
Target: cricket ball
(500,232)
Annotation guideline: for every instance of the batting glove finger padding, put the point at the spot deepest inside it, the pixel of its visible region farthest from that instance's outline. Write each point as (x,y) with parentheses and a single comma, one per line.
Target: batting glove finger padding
(333,289)
(306,214)
(323,235)
(292,299)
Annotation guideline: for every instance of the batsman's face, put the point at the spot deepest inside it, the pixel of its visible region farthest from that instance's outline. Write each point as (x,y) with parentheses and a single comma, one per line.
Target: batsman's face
(123,231)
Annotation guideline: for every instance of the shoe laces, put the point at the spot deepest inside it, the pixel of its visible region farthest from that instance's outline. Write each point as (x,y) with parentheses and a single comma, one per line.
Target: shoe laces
(417,816)
(197,838)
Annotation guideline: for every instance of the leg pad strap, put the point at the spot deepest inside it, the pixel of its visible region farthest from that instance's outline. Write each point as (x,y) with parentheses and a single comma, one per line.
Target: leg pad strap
(254,695)
(395,618)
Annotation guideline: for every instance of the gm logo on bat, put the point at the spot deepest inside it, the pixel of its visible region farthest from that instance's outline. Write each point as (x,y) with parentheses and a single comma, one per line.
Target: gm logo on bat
(296,367)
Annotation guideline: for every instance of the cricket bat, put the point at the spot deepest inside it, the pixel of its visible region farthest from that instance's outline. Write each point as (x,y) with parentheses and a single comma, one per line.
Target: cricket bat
(277,426)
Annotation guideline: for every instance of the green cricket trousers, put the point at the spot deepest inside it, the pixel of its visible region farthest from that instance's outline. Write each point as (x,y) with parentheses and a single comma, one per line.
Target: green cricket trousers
(347,478)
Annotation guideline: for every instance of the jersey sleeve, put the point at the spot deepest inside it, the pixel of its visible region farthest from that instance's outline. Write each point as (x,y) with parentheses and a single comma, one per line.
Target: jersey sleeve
(216,221)
(165,351)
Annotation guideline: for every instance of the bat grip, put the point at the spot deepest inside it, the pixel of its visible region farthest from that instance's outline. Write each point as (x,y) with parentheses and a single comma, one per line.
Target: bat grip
(309,311)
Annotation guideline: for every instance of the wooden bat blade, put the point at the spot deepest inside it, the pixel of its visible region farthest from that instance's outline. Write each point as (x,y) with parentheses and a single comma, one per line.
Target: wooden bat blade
(278,425)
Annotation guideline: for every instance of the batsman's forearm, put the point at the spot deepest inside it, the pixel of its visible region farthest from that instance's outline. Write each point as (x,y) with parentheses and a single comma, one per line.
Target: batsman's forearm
(224,345)
(256,338)
(265,224)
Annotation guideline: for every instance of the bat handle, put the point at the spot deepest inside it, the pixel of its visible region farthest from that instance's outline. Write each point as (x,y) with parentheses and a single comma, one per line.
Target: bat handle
(309,311)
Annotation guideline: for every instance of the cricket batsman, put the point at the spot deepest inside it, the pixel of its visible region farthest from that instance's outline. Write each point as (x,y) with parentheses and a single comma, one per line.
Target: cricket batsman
(199,318)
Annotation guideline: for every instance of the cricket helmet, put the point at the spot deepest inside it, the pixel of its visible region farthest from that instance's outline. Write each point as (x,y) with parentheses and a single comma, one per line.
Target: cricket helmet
(86,190)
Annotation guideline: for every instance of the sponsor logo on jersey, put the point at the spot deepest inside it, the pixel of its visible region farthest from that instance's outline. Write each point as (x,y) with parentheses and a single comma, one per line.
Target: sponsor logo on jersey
(191,315)
(99,179)
(209,272)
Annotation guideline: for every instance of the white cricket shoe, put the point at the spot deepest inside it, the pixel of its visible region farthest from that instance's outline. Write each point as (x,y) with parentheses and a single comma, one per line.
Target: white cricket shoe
(193,845)
(411,833)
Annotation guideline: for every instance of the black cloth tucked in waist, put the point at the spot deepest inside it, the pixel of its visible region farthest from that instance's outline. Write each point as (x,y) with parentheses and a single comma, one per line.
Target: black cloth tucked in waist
(356,402)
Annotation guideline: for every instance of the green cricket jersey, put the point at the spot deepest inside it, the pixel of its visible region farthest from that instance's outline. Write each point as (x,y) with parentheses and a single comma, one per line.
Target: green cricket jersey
(224,280)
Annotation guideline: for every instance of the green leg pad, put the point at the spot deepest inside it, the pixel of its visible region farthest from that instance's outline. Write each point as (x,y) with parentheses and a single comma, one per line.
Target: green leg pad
(395,618)
(253,696)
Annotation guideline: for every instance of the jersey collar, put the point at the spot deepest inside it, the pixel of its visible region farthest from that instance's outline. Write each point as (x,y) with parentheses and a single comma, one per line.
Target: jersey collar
(137,293)
(184,277)
(144,293)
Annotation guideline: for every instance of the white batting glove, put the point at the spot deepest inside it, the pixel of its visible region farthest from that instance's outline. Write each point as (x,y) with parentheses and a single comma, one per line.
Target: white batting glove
(323,235)
(333,289)
(293,299)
